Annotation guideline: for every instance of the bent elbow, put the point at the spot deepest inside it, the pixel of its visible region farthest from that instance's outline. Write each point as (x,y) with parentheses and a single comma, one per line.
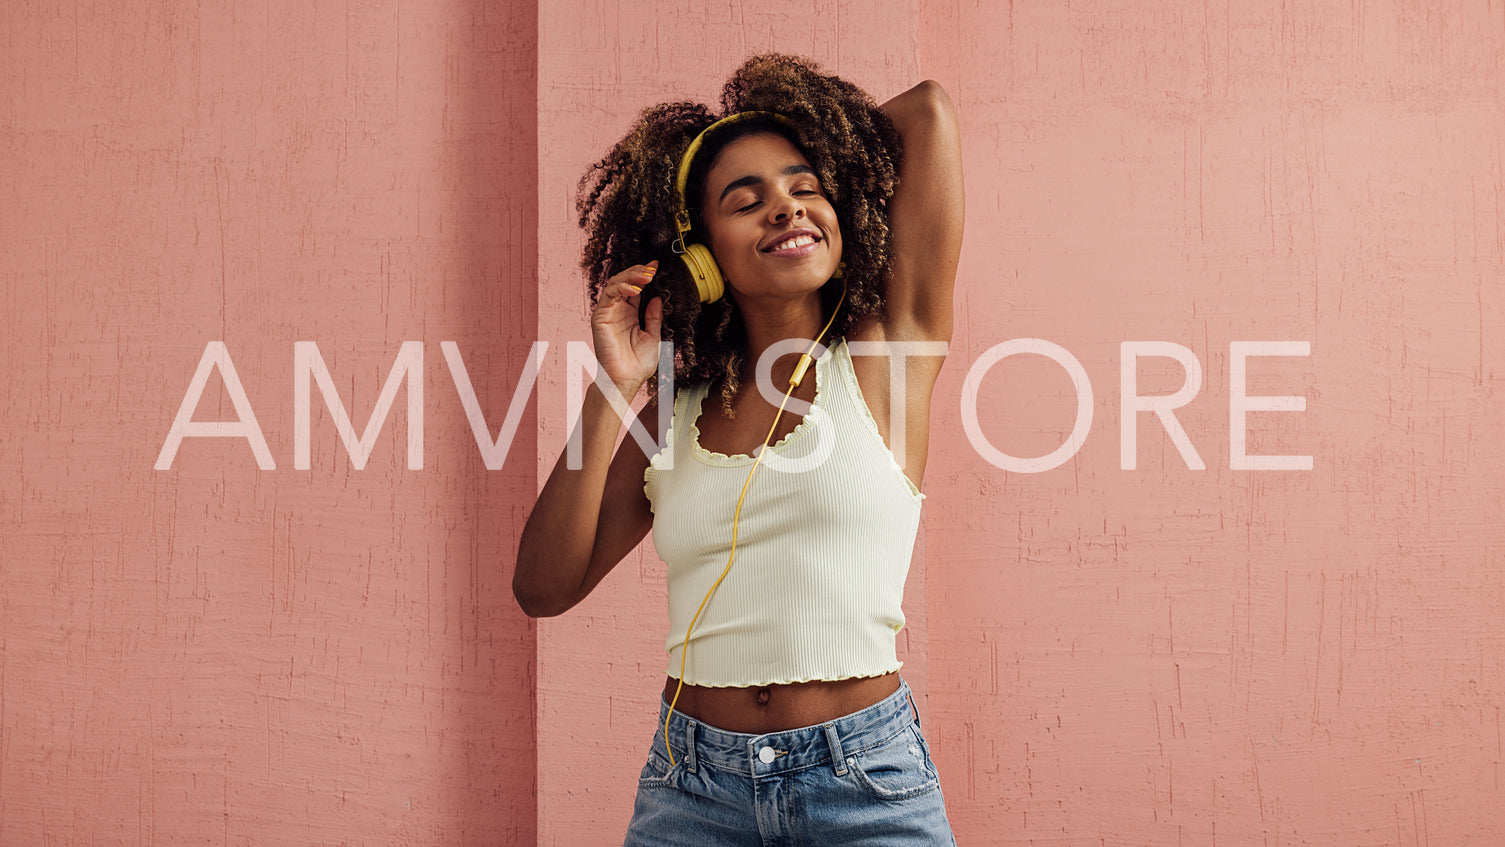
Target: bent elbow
(539,604)
(932,101)
(535,608)
(532,608)
(931,91)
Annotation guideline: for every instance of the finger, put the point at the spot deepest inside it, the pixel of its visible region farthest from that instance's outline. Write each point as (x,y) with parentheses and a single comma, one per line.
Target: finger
(642,277)
(626,290)
(637,274)
(653,318)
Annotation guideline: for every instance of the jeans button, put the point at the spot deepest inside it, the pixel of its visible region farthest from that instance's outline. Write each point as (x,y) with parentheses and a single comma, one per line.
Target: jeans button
(766,755)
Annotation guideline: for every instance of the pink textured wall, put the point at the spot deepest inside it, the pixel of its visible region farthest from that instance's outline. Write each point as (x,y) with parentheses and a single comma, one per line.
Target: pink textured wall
(1168,656)
(217,653)
(1155,656)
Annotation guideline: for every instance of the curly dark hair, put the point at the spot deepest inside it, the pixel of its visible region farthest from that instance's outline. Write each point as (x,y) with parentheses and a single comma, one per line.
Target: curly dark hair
(627,201)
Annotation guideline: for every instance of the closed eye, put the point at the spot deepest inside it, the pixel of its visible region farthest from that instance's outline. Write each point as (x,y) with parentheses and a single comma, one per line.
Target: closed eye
(798,192)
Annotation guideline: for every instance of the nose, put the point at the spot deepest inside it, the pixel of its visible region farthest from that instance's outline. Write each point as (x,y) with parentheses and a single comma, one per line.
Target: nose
(786,208)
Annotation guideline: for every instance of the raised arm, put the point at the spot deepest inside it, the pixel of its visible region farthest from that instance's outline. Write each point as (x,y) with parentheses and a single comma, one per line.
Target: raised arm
(925,215)
(588,518)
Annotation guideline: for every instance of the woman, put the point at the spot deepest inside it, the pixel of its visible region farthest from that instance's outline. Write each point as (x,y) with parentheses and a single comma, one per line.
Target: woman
(830,218)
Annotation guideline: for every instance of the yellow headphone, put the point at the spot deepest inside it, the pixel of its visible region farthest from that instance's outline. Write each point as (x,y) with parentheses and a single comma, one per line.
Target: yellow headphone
(709,282)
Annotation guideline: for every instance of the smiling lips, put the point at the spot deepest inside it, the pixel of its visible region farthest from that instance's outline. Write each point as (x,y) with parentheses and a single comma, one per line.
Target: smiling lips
(793,244)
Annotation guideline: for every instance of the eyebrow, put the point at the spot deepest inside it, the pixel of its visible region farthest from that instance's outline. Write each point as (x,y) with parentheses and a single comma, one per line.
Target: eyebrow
(757,180)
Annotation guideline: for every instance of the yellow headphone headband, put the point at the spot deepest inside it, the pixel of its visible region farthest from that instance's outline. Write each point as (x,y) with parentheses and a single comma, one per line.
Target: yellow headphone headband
(682,178)
(697,257)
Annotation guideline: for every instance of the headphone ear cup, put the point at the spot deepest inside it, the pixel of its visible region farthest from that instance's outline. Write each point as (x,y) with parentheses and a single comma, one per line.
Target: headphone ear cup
(707,274)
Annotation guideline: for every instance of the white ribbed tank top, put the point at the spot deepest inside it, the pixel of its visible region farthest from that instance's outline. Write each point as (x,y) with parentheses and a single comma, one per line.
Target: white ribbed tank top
(825,539)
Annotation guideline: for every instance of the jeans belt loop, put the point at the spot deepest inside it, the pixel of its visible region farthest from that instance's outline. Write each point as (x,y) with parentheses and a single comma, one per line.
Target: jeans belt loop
(834,741)
(690,760)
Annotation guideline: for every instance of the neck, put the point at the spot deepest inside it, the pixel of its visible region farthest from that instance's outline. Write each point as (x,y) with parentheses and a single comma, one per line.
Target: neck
(768,324)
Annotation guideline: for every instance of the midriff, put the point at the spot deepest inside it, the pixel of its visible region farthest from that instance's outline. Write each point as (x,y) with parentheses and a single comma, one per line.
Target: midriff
(775,708)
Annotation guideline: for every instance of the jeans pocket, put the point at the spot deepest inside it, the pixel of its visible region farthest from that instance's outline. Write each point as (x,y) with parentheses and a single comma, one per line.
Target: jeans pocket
(897,769)
(657,772)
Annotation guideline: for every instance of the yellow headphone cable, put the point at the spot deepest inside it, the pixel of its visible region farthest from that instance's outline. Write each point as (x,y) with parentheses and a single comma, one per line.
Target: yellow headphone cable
(795,378)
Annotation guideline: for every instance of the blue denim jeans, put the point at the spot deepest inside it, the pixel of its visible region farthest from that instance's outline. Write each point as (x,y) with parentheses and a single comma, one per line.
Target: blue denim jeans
(863,779)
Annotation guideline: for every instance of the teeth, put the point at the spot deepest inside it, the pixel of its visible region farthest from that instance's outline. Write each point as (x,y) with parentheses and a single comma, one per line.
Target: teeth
(797,241)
